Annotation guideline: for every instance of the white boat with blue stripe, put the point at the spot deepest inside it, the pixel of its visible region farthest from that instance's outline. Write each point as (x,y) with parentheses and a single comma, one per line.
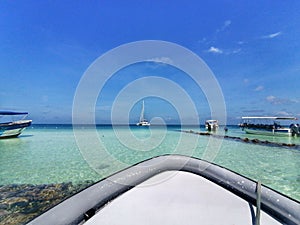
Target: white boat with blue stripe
(12,128)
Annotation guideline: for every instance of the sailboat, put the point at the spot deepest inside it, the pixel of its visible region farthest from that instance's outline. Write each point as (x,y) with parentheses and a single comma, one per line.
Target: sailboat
(143,121)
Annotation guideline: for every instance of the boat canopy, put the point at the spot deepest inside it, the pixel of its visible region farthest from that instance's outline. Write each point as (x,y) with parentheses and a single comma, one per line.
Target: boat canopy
(268,118)
(211,121)
(9,113)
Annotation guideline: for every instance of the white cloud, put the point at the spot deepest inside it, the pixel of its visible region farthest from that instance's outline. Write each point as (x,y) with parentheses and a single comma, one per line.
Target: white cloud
(283,113)
(270,36)
(236,51)
(166,60)
(215,50)
(272,99)
(279,101)
(232,51)
(226,24)
(203,40)
(259,88)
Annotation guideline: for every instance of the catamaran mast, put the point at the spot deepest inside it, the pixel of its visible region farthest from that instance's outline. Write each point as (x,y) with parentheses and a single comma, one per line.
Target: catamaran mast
(142,112)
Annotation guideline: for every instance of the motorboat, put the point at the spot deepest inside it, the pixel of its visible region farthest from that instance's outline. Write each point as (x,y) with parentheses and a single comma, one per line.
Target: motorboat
(13,128)
(171,190)
(143,121)
(268,125)
(211,125)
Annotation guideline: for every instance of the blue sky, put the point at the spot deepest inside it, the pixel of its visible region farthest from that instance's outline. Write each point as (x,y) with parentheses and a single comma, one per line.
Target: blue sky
(251,47)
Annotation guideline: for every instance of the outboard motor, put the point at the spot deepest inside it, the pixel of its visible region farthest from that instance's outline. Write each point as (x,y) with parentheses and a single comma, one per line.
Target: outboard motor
(295,130)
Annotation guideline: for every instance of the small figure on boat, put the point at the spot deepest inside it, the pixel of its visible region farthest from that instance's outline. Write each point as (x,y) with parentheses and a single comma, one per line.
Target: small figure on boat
(276,125)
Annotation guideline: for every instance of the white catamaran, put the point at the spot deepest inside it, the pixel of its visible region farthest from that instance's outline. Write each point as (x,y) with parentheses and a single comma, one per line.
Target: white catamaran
(268,125)
(143,121)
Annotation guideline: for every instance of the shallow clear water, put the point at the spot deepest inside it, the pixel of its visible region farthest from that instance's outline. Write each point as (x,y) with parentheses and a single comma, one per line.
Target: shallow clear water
(51,154)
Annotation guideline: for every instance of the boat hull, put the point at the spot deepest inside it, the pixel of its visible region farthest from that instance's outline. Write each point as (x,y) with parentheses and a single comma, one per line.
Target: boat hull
(274,132)
(13,129)
(143,124)
(220,195)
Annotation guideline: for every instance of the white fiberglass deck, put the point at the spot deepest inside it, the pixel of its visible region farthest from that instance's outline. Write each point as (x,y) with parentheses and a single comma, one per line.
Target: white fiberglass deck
(174,197)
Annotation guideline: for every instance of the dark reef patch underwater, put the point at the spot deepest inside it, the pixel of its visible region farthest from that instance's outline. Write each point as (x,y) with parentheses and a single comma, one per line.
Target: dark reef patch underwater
(19,203)
(245,140)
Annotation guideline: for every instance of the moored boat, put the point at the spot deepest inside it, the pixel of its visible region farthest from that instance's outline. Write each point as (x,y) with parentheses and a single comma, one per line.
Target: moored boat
(143,121)
(268,125)
(9,129)
(211,125)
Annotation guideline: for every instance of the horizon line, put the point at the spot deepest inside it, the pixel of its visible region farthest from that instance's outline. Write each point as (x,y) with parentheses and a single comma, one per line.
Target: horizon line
(131,124)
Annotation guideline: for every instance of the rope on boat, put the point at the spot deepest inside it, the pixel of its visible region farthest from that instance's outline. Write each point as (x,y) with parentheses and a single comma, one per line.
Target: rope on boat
(258,202)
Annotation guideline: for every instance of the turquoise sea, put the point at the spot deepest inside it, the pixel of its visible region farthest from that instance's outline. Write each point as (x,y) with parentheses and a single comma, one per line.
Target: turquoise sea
(46,154)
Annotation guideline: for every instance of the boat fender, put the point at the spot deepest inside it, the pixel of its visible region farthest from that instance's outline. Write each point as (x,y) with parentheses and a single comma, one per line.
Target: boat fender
(89,214)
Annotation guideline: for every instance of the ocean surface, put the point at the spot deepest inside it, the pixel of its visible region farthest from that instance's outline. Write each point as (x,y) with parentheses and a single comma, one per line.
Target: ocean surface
(46,154)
